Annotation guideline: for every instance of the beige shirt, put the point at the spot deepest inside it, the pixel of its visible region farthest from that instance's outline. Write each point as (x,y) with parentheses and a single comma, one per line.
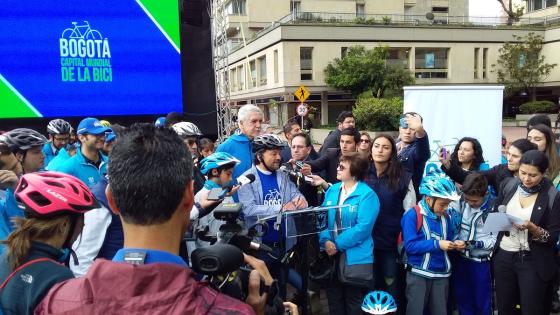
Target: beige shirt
(517,240)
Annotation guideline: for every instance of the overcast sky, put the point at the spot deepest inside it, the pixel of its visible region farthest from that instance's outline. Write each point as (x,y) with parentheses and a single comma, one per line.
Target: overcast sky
(484,8)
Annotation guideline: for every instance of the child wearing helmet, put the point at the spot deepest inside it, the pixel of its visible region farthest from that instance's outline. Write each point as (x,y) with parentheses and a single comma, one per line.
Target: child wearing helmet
(427,235)
(218,169)
(54,206)
(472,286)
(379,303)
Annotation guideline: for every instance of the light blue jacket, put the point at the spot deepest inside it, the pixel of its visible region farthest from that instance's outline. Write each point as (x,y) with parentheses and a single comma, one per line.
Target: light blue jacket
(78,166)
(240,147)
(252,199)
(61,157)
(48,153)
(360,217)
(8,210)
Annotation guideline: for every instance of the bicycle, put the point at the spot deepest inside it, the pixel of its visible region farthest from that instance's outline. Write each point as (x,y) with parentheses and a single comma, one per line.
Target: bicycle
(83,31)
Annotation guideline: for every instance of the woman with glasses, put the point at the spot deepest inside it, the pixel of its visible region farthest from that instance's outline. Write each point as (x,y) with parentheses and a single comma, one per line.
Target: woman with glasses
(365,143)
(348,238)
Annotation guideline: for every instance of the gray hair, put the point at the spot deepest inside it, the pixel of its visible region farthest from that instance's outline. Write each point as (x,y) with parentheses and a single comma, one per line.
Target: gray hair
(246,110)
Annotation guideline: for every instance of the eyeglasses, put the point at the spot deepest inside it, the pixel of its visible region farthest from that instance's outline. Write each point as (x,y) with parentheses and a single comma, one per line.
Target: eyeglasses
(364,140)
(341,167)
(62,139)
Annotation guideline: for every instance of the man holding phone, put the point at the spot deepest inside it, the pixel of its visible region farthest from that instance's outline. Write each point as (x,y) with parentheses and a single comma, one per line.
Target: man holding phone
(413,147)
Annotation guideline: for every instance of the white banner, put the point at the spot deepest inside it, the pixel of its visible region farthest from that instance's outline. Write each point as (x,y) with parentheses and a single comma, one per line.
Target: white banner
(453,112)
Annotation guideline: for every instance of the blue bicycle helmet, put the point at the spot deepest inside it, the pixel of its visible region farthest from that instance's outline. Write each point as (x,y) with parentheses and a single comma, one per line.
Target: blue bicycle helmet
(379,302)
(217,160)
(110,136)
(438,185)
(160,122)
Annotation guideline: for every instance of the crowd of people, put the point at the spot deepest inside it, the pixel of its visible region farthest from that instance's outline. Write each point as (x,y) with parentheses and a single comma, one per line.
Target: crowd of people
(104,219)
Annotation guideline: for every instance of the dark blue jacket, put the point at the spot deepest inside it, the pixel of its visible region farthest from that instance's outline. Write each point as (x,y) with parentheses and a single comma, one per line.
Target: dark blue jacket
(29,285)
(414,157)
(391,208)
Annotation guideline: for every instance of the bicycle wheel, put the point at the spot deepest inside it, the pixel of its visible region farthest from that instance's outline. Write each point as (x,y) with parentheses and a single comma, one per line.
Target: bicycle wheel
(93,34)
(69,33)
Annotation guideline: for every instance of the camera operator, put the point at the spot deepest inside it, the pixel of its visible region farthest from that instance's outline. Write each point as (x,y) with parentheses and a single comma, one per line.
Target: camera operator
(270,193)
(151,189)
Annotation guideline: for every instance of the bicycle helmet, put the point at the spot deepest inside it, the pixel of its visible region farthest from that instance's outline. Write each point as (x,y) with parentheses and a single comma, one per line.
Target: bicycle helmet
(50,193)
(58,126)
(160,122)
(105,123)
(379,302)
(110,136)
(438,185)
(216,160)
(186,129)
(23,139)
(268,142)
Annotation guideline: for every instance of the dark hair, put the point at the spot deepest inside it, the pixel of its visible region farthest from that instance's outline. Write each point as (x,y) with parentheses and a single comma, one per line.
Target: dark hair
(412,114)
(173,118)
(523,145)
(220,170)
(308,142)
(539,119)
(342,116)
(205,142)
(477,158)
(350,132)
(148,173)
(475,184)
(359,165)
(535,158)
(288,126)
(550,150)
(395,169)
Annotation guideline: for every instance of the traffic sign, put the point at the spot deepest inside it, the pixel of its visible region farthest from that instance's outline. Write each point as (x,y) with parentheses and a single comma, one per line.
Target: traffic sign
(302,93)
(302,110)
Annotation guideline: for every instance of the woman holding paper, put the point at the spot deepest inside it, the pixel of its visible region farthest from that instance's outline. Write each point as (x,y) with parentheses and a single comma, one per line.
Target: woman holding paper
(523,261)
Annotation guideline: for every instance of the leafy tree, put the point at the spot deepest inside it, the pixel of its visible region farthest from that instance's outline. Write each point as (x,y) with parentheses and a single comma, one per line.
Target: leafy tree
(520,65)
(513,13)
(366,69)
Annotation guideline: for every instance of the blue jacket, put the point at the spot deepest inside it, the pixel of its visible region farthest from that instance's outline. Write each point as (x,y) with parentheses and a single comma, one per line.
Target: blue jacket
(80,168)
(240,147)
(58,160)
(425,258)
(8,210)
(414,157)
(48,153)
(357,240)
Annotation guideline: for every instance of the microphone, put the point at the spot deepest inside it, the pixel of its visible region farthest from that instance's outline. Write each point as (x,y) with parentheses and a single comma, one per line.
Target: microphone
(502,209)
(287,168)
(241,181)
(246,243)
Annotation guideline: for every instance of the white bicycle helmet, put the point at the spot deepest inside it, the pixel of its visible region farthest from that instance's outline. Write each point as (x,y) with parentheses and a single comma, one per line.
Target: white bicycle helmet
(186,129)
(58,126)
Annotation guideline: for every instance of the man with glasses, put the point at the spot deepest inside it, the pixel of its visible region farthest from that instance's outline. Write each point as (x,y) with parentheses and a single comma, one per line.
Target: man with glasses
(302,150)
(59,137)
(88,164)
(291,128)
(191,134)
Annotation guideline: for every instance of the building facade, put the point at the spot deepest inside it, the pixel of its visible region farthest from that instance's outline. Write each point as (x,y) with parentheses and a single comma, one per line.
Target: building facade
(450,50)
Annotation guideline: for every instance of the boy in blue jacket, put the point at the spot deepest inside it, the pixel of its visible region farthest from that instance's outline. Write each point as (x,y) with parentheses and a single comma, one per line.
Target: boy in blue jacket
(427,235)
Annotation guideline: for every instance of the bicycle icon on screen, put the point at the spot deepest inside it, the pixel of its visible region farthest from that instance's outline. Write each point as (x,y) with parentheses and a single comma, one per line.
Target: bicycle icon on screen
(83,31)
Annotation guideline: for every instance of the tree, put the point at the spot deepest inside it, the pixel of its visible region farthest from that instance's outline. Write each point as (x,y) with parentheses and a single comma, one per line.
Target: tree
(520,66)
(513,14)
(362,70)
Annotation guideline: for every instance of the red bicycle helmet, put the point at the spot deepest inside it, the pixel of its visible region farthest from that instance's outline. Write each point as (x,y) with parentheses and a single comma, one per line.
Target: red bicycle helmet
(51,193)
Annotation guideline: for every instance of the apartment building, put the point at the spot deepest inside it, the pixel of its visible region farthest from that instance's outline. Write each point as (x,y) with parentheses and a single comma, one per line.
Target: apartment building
(267,69)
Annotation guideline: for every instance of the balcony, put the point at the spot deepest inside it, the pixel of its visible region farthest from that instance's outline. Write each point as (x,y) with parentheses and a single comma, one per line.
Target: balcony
(234,23)
(409,3)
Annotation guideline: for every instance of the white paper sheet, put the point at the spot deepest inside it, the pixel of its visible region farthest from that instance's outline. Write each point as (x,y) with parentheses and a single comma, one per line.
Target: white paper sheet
(497,222)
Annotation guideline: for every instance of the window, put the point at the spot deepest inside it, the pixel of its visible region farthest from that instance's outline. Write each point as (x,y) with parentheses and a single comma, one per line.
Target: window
(276,75)
(360,9)
(241,77)
(431,63)
(253,73)
(550,3)
(398,57)
(476,52)
(440,9)
(262,70)
(237,7)
(295,6)
(233,80)
(343,52)
(306,63)
(484,62)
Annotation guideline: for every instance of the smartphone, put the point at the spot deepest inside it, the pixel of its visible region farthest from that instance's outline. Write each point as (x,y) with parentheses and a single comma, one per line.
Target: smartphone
(216,194)
(402,123)
(444,153)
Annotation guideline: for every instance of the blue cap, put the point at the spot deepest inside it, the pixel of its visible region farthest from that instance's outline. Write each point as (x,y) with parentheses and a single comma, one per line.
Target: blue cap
(110,136)
(91,126)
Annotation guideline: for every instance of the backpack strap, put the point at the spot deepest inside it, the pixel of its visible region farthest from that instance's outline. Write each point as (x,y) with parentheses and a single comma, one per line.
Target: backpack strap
(27,264)
(419,218)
